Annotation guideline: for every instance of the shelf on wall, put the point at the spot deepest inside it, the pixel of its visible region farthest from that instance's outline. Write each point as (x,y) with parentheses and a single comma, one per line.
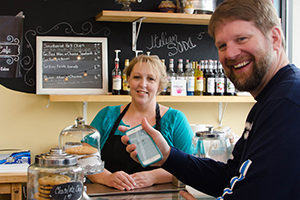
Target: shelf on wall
(153,17)
(167,99)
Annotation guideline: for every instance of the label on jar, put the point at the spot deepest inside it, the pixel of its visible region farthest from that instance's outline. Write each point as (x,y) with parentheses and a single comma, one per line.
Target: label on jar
(67,191)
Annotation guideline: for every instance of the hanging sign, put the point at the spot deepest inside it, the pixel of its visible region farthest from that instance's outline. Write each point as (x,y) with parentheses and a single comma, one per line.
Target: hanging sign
(10,45)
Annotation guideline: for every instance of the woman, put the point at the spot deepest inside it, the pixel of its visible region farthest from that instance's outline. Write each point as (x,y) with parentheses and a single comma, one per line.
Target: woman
(146,77)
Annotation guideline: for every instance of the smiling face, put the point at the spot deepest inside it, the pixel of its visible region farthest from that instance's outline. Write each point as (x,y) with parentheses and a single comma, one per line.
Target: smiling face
(144,83)
(245,53)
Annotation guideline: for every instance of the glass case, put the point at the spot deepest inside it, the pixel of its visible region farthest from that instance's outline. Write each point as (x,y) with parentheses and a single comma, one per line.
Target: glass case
(83,141)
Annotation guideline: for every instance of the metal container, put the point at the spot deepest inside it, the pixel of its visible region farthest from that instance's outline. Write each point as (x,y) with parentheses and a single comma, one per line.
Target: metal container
(202,6)
(55,175)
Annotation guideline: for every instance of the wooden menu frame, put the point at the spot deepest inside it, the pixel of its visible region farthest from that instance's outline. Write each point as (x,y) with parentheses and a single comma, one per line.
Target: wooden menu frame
(71,65)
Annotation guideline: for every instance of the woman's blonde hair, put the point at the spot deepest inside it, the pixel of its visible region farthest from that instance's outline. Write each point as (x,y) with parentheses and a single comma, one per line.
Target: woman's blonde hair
(156,65)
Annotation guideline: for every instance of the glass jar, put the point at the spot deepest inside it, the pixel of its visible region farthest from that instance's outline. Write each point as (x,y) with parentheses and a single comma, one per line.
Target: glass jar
(83,141)
(55,175)
(213,144)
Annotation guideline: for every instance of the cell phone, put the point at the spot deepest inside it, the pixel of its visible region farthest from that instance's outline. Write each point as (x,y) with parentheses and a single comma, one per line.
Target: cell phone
(147,151)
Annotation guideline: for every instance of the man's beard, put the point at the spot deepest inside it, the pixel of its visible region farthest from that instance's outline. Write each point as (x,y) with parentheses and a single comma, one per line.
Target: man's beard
(260,68)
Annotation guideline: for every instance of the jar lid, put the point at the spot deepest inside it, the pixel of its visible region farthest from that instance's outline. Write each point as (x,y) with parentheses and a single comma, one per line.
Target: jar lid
(79,128)
(56,157)
(206,134)
(211,134)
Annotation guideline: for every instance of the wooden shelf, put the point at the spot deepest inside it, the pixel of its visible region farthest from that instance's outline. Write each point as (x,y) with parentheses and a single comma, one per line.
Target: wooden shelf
(153,17)
(168,99)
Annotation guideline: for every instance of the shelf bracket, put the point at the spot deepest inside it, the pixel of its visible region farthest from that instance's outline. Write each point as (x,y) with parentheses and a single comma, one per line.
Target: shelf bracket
(135,33)
(221,112)
(84,111)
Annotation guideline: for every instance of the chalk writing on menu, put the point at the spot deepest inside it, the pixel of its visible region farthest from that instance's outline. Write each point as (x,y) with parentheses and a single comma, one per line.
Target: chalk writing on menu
(172,43)
(72,64)
(67,191)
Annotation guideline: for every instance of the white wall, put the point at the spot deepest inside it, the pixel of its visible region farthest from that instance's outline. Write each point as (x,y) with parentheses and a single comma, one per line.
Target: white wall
(295,44)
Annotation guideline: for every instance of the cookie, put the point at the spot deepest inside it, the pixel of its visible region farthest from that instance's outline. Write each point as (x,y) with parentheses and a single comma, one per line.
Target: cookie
(43,191)
(81,150)
(38,197)
(54,179)
(44,195)
(45,187)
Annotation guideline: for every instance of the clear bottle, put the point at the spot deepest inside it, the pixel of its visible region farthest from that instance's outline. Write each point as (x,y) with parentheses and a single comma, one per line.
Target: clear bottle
(210,79)
(180,73)
(180,77)
(190,79)
(220,80)
(116,77)
(171,76)
(164,90)
(125,86)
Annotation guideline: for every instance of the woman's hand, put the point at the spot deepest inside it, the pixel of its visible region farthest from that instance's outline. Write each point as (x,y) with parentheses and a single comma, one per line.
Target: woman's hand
(157,138)
(187,195)
(143,179)
(120,180)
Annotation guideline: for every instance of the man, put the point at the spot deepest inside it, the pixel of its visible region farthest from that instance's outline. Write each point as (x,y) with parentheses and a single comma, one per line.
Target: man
(265,162)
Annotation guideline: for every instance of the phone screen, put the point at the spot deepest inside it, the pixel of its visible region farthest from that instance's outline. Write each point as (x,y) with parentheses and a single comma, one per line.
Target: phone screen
(148,153)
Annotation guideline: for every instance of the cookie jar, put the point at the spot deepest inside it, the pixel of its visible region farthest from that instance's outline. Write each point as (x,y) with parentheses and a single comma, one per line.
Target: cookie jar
(83,141)
(55,175)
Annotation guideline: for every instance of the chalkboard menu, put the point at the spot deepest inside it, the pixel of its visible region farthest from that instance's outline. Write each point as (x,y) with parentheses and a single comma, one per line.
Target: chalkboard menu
(71,65)
(176,41)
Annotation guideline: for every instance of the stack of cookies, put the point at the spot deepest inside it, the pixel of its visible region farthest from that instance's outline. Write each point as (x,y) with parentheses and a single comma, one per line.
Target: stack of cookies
(46,183)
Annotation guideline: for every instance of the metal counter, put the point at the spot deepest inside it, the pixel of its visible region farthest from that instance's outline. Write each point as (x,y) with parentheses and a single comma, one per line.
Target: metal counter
(157,192)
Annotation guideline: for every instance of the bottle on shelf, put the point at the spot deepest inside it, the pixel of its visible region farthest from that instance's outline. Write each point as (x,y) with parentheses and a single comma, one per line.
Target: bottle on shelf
(171,75)
(164,90)
(190,79)
(210,79)
(220,80)
(187,62)
(215,66)
(204,65)
(125,86)
(180,78)
(229,87)
(199,81)
(180,73)
(116,76)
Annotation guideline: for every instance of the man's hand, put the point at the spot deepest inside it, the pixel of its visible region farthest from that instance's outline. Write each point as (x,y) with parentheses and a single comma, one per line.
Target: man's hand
(143,179)
(157,138)
(186,195)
